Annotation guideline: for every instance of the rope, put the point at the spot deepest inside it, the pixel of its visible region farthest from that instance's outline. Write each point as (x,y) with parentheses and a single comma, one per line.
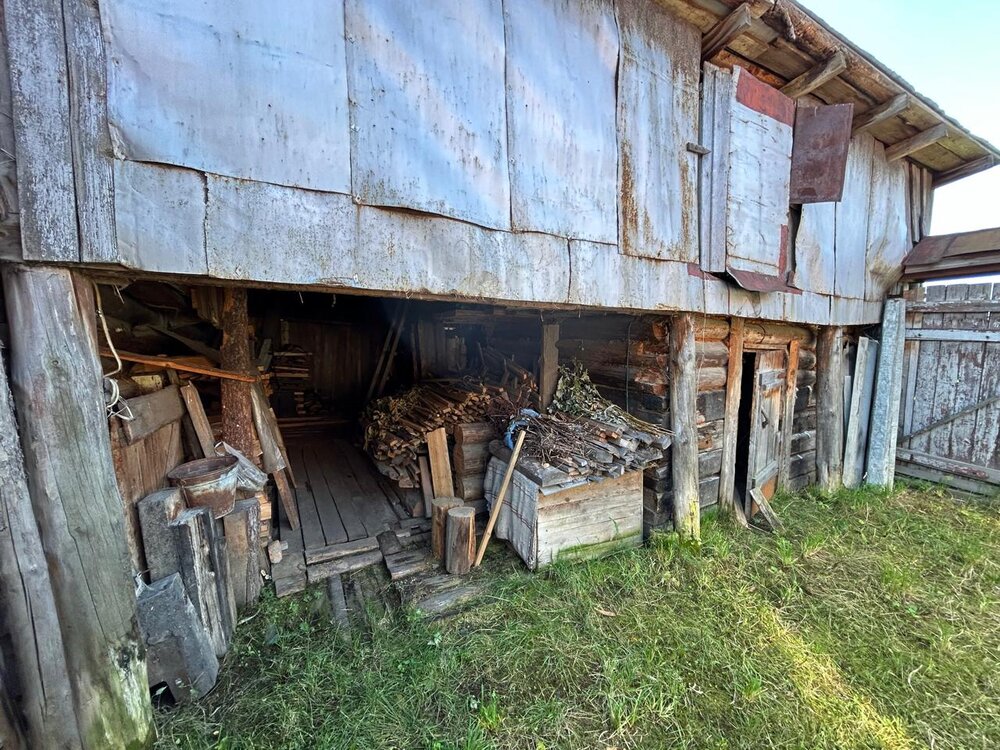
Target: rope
(114,403)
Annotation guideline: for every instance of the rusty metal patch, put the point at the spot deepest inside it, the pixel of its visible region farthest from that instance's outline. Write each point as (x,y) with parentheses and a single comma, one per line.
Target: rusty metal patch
(819,152)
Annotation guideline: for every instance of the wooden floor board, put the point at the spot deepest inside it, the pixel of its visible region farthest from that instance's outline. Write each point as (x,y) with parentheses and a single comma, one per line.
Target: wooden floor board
(377,506)
(334,527)
(345,490)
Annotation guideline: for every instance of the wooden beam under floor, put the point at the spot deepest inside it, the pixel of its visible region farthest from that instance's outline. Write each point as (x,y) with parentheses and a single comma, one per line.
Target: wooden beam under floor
(914,143)
(816,76)
(880,113)
(725,31)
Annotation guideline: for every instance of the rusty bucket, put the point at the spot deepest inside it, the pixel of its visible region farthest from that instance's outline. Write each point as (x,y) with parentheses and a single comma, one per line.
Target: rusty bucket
(208,483)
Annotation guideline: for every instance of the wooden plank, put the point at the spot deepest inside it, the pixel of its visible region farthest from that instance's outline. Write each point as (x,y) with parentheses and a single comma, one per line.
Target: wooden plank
(344,490)
(55,379)
(830,407)
(328,514)
(379,514)
(426,487)
(39,74)
(196,410)
(816,76)
(174,364)
(437,448)
(950,465)
(917,142)
(885,408)
(986,452)
(548,364)
(880,113)
(725,31)
(859,411)
(734,378)
(410,562)
(151,412)
(788,415)
(983,337)
(344,549)
(322,571)
(289,575)
(286,497)
(684,417)
(969,306)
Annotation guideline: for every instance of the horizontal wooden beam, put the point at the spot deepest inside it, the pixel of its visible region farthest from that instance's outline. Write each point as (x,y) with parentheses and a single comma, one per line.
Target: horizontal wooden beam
(964,170)
(726,30)
(916,142)
(931,334)
(816,76)
(880,113)
(944,306)
(172,364)
(950,465)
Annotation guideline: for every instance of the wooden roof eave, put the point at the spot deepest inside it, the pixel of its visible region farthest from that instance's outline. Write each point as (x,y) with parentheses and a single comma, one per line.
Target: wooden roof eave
(784,41)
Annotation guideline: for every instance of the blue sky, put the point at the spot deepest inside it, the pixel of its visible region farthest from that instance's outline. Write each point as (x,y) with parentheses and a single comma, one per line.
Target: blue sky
(948,52)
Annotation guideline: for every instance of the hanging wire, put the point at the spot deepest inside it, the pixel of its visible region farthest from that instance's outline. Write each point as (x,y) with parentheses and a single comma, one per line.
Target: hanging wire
(115,404)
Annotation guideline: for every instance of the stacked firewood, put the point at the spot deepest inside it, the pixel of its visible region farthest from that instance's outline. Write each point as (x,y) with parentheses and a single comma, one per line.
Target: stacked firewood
(470,457)
(395,427)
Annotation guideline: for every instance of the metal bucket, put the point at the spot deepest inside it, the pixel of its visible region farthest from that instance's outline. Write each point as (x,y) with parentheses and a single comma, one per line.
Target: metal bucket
(208,482)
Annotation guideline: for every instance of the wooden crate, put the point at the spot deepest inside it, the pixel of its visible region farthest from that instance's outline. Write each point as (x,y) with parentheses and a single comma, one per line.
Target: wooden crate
(577,521)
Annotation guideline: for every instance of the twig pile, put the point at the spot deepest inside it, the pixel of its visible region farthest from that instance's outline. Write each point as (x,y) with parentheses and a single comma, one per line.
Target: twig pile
(577,396)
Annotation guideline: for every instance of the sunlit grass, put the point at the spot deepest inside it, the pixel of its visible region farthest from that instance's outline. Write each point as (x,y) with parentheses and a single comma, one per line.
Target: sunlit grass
(870,622)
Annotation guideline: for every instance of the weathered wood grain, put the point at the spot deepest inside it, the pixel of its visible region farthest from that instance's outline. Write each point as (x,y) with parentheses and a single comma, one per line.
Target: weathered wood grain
(55,379)
(734,379)
(830,407)
(683,410)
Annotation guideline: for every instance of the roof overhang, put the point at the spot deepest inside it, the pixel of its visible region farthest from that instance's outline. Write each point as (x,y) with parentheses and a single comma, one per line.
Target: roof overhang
(782,43)
(950,256)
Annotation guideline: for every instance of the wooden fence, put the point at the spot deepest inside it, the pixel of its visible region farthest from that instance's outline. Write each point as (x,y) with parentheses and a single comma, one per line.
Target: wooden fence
(950,416)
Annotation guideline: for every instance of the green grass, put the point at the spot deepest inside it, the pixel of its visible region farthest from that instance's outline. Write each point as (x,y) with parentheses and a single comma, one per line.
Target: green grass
(872,621)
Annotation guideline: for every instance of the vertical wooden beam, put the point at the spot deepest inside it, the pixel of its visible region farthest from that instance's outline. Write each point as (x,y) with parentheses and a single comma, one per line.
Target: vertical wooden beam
(859,412)
(788,414)
(734,379)
(830,407)
(548,366)
(237,401)
(684,415)
(56,382)
(36,670)
(885,409)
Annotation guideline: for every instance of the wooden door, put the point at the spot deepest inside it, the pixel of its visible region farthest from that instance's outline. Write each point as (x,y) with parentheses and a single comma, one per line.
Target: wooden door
(765,426)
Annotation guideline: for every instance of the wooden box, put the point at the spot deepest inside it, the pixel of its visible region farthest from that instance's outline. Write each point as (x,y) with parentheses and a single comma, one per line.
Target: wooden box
(580,520)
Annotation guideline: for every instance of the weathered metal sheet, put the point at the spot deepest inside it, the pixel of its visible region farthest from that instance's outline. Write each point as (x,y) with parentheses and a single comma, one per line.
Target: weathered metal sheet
(160,218)
(428,107)
(562,56)
(888,227)
(815,251)
(819,152)
(261,232)
(657,117)
(852,219)
(244,89)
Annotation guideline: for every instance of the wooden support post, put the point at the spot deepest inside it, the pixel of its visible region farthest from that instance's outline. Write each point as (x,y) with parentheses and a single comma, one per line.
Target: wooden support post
(460,544)
(439,523)
(726,30)
(548,366)
(734,378)
(880,113)
(56,382)
(916,142)
(237,404)
(440,461)
(859,411)
(38,670)
(788,415)
(881,461)
(816,76)
(684,414)
(830,407)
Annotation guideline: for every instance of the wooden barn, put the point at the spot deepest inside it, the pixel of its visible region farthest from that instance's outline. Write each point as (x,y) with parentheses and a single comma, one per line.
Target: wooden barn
(329,240)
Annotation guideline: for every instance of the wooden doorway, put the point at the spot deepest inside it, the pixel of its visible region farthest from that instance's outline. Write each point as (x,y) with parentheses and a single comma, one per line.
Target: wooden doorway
(759,435)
